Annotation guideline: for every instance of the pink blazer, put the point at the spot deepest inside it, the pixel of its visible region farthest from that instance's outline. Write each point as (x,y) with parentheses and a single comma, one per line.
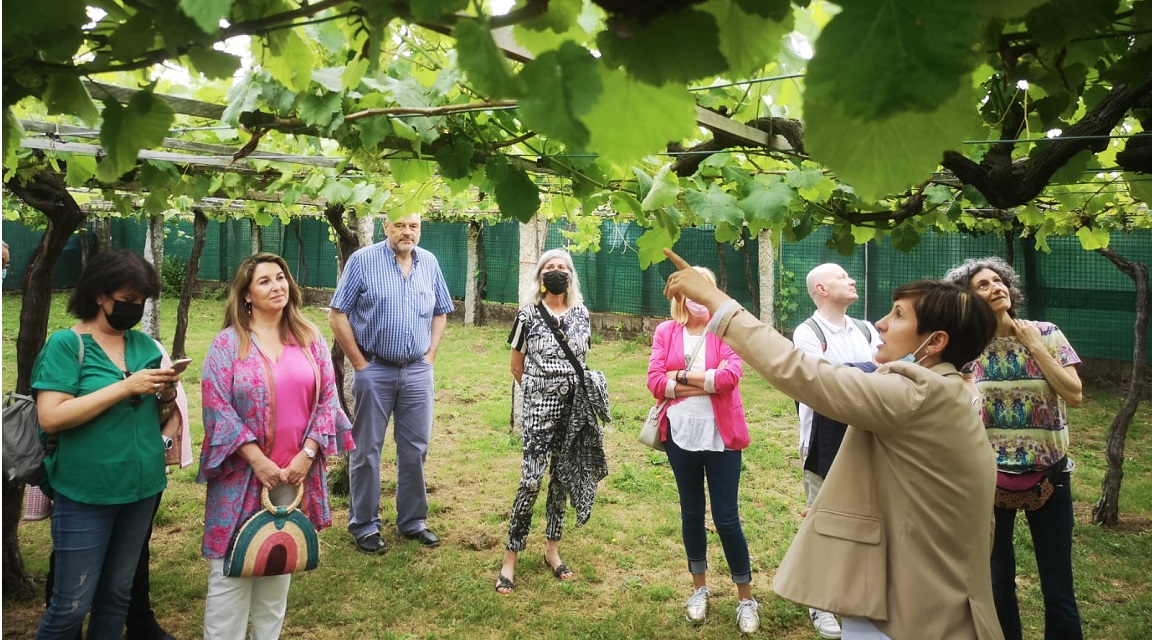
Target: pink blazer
(668,355)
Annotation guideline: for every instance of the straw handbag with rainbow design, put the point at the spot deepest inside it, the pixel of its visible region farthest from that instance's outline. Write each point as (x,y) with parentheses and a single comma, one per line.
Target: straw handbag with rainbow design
(277,541)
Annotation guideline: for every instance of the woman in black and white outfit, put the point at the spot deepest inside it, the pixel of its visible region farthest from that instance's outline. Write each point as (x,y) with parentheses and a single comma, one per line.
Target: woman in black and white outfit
(556,414)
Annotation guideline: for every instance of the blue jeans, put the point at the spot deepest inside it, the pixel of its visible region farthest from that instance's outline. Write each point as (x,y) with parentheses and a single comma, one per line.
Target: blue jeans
(381,392)
(97,547)
(722,470)
(1051,527)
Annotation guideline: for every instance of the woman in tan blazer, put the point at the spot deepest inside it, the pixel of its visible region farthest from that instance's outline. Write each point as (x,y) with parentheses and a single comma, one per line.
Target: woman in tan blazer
(899,538)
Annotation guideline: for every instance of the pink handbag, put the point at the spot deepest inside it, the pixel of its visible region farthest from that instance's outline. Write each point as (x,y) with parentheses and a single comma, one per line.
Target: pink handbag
(37,506)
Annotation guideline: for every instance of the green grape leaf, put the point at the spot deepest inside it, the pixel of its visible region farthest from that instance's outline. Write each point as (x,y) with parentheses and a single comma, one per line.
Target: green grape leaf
(66,95)
(747,40)
(1030,216)
(331,78)
(665,189)
(134,36)
(893,57)
(289,59)
(651,244)
(885,156)
(157,175)
(1139,187)
(1056,23)
(485,64)
(643,182)
(1093,239)
(624,202)
(430,10)
(715,206)
(156,202)
(408,171)
(766,205)
(323,111)
(142,124)
(655,115)
(515,192)
(811,183)
(860,235)
(679,46)
(213,64)
(937,194)
(775,9)
(726,233)
(455,158)
(80,170)
(562,85)
(373,131)
(207,13)
(353,73)
(336,191)
(559,18)
(905,238)
(262,218)
(361,192)
(1073,170)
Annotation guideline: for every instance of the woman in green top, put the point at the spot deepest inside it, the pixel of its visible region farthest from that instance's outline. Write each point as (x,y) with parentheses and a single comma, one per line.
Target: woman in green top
(104,411)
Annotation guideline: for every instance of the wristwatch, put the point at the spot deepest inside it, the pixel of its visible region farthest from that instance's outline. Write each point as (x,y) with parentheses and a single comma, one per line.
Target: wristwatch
(310,452)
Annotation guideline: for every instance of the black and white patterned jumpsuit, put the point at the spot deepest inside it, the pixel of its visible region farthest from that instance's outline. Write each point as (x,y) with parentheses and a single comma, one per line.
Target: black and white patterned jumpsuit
(548,383)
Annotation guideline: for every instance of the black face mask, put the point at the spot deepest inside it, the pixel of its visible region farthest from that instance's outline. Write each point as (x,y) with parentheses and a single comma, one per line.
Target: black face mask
(556,282)
(125,315)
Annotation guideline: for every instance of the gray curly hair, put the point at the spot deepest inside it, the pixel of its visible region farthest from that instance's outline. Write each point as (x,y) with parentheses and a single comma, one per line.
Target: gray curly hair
(573,295)
(963,273)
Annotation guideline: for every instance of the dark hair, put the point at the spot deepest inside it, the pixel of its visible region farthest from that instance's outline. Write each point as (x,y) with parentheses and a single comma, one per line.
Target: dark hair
(110,271)
(294,328)
(941,306)
(963,273)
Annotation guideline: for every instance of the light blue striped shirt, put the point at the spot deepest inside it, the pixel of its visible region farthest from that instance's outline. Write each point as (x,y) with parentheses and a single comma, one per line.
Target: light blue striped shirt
(391,316)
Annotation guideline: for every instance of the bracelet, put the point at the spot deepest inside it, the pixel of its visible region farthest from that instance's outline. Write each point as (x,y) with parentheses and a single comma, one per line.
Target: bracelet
(161,399)
(683,376)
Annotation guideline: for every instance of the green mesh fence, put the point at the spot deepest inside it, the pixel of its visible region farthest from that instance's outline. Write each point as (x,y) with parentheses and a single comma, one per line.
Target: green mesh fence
(1080,291)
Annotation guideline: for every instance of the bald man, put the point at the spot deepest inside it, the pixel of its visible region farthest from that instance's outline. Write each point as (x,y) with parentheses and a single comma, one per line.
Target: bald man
(830,334)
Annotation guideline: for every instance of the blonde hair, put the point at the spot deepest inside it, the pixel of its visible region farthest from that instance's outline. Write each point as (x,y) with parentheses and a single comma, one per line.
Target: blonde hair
(572,296)
(294,329)
(677,309)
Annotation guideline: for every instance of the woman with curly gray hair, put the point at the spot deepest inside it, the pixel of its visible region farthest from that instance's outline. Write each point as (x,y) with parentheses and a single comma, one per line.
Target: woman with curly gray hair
(1026,377)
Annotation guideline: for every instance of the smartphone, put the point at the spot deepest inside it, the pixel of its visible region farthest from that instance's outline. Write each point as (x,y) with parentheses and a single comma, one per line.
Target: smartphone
(181,364)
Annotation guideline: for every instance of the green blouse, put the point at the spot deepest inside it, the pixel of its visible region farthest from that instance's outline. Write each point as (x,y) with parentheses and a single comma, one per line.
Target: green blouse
(117,456)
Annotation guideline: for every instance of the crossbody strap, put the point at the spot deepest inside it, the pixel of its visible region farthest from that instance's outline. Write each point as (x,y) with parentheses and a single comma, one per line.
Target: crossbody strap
(688,364)
(562,340)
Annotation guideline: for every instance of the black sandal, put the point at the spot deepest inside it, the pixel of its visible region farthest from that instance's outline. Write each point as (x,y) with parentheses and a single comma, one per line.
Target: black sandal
(559,571)
(504,583)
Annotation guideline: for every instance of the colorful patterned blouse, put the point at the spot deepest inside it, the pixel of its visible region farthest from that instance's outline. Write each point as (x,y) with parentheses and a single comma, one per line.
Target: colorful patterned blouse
(1025,418)
(238,403)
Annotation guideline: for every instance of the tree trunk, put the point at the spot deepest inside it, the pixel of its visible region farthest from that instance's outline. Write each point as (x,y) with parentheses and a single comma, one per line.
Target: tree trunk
(302,277)
(722,260)
(102,232)
(154,254)
(45,192)
(473,308)
(533,235)
(257,236)
(200,232)
(1107,510)
(767,278)
(351,236)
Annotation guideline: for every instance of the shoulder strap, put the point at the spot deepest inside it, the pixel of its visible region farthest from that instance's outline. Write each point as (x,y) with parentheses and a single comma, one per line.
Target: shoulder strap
(815,326)
(863,327)
(560,338)
(80,355)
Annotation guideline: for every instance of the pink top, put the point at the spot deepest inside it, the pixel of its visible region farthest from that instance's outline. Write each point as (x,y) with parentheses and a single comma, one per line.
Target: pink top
(295,384)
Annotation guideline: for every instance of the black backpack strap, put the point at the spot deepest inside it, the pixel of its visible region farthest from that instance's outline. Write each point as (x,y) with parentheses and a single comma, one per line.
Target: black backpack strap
(863,327)
(561,339)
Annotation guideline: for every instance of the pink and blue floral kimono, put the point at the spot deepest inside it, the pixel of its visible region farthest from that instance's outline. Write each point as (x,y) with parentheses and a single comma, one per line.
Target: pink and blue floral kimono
(238,404)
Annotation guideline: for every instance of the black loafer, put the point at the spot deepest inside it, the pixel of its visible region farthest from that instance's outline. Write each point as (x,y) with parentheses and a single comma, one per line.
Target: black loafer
(425,537)
(371,543)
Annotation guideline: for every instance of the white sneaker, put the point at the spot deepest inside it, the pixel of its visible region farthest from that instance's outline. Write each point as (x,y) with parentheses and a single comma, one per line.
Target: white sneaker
(825,624)
(748,616)
(696,609)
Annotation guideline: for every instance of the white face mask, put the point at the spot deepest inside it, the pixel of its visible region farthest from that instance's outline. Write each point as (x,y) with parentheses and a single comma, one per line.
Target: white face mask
(911,357)
(695,308)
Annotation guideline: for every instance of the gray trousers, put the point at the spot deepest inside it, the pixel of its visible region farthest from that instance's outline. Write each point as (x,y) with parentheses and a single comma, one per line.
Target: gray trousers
(381,392)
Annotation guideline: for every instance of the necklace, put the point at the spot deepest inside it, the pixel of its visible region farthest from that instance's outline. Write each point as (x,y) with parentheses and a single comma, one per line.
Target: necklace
(113,354)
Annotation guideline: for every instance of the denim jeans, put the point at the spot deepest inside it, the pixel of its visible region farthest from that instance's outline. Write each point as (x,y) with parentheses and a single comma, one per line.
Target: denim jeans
(97,547)
(1051,527)
(722,470)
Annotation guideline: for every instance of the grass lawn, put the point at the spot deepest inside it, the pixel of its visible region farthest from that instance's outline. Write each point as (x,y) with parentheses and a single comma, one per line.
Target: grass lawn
(631,576)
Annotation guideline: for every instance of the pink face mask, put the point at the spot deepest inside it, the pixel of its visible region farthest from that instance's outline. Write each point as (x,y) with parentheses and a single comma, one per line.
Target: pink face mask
(695,308)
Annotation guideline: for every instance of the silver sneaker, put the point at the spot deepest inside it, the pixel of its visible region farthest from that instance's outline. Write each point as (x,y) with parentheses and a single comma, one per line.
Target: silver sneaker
(825,624)
(748,616)
(696,609)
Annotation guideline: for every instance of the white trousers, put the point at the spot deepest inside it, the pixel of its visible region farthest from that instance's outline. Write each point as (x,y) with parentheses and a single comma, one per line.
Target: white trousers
(231,600)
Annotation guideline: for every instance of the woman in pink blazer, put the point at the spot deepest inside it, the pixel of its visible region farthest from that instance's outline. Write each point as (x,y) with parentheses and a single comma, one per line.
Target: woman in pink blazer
(703,431)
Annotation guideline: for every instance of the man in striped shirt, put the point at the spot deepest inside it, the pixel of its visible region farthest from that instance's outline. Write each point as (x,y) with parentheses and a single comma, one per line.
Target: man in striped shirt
(388,315)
